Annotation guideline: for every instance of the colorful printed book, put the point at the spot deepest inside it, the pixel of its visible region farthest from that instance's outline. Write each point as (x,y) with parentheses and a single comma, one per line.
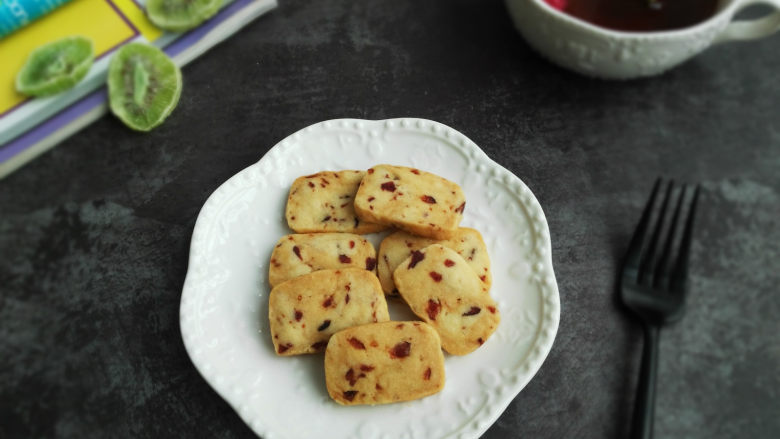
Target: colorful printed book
(29,127)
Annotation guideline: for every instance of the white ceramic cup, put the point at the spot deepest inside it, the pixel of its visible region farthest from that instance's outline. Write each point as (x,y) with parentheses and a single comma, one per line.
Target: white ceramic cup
(596,51)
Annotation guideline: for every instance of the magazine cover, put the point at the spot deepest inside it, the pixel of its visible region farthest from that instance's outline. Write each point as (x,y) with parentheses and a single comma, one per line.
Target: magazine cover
(30,126)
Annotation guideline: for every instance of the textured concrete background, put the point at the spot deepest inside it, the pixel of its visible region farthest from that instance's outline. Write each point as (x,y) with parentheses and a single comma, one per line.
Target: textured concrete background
(94,235)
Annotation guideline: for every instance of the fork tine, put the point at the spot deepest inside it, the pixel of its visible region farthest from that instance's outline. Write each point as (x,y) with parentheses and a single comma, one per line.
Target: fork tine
(680,271)
(661,274)
(635,247)
(648,260)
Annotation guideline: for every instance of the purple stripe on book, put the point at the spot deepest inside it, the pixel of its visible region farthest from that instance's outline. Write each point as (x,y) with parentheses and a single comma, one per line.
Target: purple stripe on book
(196,34)
(53,124)
(98,97)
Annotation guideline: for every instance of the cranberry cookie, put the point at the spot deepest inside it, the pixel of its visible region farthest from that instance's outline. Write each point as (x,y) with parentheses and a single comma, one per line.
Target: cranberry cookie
(380,363)
(444,291)
(296,255)
(323,202)
(398,246)
(305,311)
(412,200)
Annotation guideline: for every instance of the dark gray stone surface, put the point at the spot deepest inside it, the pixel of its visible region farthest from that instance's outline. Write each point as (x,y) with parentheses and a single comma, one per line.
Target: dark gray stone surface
(94,235)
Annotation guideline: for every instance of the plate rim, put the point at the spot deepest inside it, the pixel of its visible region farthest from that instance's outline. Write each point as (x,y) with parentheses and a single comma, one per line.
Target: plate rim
(550,319)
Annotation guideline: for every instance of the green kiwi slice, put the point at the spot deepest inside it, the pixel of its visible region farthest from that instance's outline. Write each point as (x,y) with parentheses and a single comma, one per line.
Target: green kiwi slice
(55,66)
(144,86)
(180,15)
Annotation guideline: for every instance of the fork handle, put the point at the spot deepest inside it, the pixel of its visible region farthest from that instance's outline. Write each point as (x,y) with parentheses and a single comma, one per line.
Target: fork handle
(644,404)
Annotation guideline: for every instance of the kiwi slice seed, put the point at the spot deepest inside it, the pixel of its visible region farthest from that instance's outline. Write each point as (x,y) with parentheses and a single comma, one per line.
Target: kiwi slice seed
(180,15)
(144,86)
(55,67)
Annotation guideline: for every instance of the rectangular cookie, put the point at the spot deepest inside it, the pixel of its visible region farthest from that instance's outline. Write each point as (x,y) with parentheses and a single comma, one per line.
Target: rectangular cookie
(380,363)
(305,311)
(323,202)
(296,255)
(444,291)
(412,200)
(399,245)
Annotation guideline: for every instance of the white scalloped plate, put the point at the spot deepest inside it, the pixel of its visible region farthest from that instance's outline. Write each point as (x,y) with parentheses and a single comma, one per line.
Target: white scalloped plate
(224,307)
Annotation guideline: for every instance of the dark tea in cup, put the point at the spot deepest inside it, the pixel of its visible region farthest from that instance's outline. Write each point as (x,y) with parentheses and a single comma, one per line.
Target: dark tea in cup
(639,15)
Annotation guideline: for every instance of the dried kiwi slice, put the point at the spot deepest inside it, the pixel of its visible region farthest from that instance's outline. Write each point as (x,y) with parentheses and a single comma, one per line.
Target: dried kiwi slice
(180,15)
(55,67)
(144,86)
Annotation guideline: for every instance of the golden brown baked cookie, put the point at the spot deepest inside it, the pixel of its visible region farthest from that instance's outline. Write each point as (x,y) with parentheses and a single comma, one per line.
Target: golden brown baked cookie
(398,246)
(305,311)
(444,291)
(416,201)
(380,363)
(323,202)
(296,255)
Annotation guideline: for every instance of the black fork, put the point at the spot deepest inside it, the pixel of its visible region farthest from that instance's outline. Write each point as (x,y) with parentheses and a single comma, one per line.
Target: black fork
(653,285)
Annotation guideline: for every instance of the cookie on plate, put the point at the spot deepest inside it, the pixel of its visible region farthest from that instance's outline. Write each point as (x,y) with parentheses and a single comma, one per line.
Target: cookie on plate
(444,291)
(323,202)
(296,255)
(399,245)
(412,200)
(305,311)
(380,363)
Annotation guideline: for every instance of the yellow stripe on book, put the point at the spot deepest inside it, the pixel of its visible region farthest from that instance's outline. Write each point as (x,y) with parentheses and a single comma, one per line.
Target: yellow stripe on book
(137,16)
